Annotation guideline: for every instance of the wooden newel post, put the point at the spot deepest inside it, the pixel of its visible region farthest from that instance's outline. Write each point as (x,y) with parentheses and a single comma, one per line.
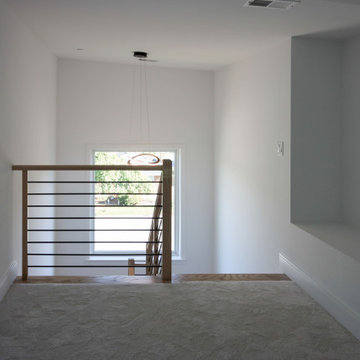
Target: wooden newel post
(166,250)
(131,267)
(24,224)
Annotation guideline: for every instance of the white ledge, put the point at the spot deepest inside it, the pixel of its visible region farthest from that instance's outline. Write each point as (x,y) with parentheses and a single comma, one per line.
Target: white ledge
(341,236)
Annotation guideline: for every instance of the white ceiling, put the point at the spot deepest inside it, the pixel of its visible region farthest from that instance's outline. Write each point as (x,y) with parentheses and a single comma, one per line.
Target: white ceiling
(204,34)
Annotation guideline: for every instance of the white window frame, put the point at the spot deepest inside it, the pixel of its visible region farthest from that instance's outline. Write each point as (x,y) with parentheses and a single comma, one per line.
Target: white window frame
(177,150)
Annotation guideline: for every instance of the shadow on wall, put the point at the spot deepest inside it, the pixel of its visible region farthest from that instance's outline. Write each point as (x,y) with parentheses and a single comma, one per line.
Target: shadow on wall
(6,210)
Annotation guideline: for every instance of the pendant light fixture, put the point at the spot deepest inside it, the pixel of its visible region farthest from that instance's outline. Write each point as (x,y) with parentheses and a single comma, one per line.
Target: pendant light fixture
(142,59)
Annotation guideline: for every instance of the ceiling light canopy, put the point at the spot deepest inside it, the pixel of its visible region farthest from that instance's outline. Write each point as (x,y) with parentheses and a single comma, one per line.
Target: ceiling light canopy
(272,4)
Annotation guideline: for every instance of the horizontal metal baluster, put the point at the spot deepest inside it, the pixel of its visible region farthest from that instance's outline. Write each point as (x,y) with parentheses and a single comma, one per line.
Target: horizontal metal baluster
(107,254)
(91,218)
(93,193)
(88,242)
(90,266)
(93,230)
(92,206)
(93,182)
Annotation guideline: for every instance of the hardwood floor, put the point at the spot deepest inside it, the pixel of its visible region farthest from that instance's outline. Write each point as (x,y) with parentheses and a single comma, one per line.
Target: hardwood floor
(116,279)
(230,277)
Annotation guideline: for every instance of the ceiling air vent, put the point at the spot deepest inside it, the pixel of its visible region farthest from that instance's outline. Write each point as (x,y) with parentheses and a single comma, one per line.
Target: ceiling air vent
(272,4)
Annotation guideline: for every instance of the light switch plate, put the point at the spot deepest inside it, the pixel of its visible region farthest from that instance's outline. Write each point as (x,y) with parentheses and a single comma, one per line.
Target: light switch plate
(280,148)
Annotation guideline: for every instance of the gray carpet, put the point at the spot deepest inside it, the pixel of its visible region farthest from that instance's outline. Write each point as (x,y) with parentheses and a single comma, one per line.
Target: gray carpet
(198,320)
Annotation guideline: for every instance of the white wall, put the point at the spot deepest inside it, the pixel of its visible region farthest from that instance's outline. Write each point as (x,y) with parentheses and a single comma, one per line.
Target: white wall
(351,132)
(94,108)
(251,181)
(27,121)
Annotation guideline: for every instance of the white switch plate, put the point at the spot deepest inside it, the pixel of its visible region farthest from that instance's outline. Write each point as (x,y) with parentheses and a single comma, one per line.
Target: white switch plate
(280,148)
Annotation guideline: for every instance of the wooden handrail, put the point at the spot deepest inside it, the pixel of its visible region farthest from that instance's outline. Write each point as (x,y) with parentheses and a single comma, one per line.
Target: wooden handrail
(86,167)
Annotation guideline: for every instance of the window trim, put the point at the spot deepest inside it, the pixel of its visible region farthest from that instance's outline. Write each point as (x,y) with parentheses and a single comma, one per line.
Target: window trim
(178,150)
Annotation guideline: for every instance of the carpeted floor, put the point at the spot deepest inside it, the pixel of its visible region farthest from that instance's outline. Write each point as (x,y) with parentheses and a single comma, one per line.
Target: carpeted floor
(195,320)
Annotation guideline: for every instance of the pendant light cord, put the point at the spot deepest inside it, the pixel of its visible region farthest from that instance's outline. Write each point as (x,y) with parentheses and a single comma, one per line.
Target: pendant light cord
(132,117)
(140,71)
(147,103)
(141,98)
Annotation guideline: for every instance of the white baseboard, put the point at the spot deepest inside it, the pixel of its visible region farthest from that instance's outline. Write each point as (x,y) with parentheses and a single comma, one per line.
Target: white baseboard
(342,312)
(7,279)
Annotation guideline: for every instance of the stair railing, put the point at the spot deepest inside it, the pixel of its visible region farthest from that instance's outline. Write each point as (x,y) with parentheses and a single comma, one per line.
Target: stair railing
(158,245)
(155,254)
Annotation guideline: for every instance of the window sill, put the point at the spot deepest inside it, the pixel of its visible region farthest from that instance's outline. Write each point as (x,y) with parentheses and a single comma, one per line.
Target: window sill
(123,260)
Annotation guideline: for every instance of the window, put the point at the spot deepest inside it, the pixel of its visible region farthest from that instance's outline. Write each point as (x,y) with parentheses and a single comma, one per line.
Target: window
(128,218)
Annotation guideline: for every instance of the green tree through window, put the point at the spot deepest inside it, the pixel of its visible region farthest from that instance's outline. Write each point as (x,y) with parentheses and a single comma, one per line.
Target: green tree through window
(112,158)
